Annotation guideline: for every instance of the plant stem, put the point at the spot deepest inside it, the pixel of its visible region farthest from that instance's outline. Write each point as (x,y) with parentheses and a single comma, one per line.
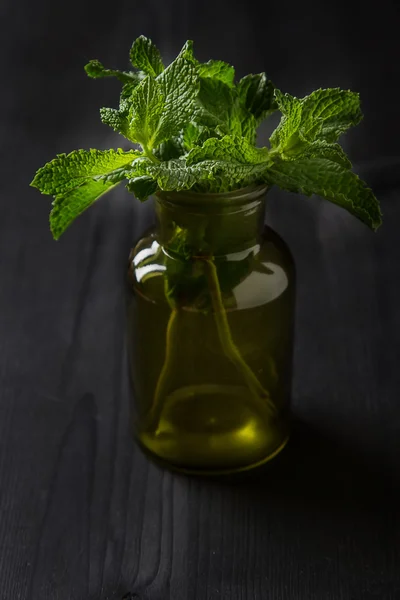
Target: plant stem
(225,337)
(260,394)
(149,154)
(162,382)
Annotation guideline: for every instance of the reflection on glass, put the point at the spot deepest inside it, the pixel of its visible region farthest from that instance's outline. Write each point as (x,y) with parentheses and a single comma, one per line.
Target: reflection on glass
(142,272)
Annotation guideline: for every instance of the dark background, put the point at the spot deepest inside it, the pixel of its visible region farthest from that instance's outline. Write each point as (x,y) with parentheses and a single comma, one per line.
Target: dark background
(83,515)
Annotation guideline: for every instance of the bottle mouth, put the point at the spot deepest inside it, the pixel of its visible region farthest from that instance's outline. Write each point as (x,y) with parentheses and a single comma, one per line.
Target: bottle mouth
(204,202)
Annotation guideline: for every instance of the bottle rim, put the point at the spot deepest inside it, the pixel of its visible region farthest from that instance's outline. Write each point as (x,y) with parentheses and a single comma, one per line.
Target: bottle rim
(188,198)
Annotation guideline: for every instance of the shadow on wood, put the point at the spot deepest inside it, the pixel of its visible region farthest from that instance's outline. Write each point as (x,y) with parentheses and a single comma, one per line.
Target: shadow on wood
(320,471)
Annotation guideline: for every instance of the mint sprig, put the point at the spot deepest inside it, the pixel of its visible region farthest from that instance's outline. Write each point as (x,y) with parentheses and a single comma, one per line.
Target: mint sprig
(330,180)
(320,117)
(194,128)
(77,179)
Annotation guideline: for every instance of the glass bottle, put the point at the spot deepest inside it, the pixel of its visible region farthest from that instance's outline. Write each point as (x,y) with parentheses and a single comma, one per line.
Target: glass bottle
(210,333)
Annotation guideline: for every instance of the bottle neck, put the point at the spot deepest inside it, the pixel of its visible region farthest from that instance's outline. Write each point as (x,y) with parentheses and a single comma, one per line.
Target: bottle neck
(197,224)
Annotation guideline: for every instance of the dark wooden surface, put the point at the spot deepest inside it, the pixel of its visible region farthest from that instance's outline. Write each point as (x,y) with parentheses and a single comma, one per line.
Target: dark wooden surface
(83,514)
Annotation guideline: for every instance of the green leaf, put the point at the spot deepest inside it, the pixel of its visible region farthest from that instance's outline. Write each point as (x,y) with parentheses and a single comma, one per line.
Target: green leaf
(187,52)
(69,171)
(333,109)
(236,149)
(217,69)
(323,149)
(256,94)
(161,107)
(227,175)
(158,109)
(249,128)
(176,175)
(145,56)
(146,109)
(142,186)
(96,70)
(191,135)
(257,101)
(195,135)
(323,116)
(170,149)
(329,180)
(230,161)
(67,207)
(116,120)
(215,102)
(125,99)
(218,108)
(291,109)
(179,87)
(214,69)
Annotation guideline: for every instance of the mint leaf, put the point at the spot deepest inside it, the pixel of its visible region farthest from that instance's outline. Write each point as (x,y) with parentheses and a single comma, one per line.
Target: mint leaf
(227,175)
(177,175)
(230,161)
(78,179)
(194,135)
(291,109)
(96,70)
(67,207)
(68,171)
(156,109)
(170,149)
(217,69)
(116,120)
(236,149)
(147,105)
(173,174)
(329,180)
(145,56)
(142,186)
(249,128)
(256,94)
(323,115)
(333,111)
(179,87)
(214,69)
(323,149)
(218,108)
(257,101)
(191,135)
(125,98)
(187,52)
(215,102)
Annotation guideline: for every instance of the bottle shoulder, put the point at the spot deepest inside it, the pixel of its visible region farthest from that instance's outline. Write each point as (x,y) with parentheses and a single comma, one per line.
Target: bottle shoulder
(248,278)
(274,248)
(262,275)
(271,246)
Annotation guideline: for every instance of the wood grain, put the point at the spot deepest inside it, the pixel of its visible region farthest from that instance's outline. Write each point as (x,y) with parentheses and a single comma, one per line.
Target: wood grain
(83,514)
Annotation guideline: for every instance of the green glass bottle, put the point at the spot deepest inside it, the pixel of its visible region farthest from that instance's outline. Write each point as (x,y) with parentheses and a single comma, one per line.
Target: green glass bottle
(210,333)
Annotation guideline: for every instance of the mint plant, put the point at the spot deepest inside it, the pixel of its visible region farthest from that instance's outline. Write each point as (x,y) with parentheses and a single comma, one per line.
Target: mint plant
(193,127)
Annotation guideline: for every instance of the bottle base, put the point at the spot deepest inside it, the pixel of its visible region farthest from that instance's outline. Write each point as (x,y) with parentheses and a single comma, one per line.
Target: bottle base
(209,471)
(209,429)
